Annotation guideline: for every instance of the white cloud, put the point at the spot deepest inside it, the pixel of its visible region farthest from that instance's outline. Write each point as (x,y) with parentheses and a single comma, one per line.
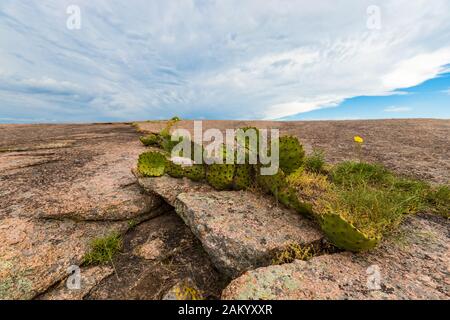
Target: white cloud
(286,109)
(144,59)
(395,109)
(417,69)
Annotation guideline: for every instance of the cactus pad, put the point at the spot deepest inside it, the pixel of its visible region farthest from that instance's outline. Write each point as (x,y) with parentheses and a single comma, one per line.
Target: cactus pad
(243,177)
(196,148)
(271,183)
(174,170)
(288,197)
(151,164)
(167,144)
(346,236)
(245,143)
(195,172)
(291,154)
(220,176)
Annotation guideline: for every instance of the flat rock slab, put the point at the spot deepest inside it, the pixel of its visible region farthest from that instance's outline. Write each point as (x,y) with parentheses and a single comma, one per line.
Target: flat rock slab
(169,188)
(241,230)
(413,264)
(80,172)
(60,187)
(238,229)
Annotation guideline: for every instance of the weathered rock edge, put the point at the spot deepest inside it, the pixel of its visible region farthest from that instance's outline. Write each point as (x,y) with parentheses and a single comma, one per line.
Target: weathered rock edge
(239,230)
(412,264)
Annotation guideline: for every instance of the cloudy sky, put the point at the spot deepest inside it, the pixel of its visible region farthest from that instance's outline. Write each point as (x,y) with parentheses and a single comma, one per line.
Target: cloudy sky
(242,59)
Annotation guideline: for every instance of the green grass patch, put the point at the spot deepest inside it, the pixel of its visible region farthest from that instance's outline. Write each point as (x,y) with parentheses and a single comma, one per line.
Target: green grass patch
(374,211)
(315,162)
(132,224)
(102,250)
(438,200)
(348,174)
(368,196)
(374,199)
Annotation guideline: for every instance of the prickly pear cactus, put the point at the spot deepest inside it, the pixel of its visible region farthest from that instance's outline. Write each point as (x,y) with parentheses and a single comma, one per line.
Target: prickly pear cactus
(196,149)
(291,154)
(243,141)
(167,144)
(150,140)
(244,177)
(193,171)
(304,192)
(271,183)
(346,236)
(174,170)
(220,176)
(151,164)
(165,138)
(288,197)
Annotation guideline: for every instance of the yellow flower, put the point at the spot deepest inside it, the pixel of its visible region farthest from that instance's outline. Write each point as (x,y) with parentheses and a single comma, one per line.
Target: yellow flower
(358,139)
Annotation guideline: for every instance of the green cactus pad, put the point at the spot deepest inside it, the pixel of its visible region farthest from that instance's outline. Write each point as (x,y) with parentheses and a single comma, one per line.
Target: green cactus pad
(194,172)
(344,235)
(174,170)
(271,183)
(167,144)
(220,176)
(288,197)
(195,147)
(151,164)
(243,177)
(291,154)
(245,143)
(150,140)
